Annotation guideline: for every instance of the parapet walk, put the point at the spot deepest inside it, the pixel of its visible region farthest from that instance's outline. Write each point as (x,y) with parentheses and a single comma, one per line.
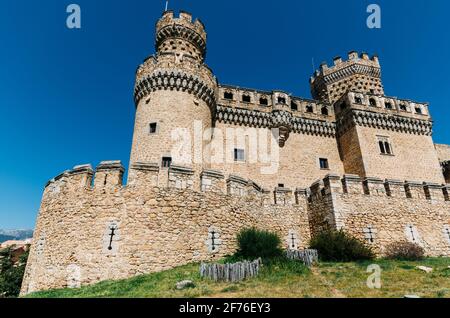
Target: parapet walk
(109,175)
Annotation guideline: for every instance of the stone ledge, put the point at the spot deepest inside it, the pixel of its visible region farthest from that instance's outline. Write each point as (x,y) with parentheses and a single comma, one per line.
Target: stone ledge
(145,166)
(181,170)
(233,178)
(213,174)
(111,165)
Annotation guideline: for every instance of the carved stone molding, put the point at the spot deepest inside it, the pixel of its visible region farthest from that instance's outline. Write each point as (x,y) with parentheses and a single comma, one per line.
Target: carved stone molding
(174,79)
(253,118)
(383,121)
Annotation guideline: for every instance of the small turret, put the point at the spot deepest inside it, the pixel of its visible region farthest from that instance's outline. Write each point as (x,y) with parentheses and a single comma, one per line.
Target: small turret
(358,73)
(181,35)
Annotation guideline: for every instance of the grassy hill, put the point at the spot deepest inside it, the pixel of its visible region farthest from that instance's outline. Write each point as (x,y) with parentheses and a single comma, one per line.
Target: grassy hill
(291,279)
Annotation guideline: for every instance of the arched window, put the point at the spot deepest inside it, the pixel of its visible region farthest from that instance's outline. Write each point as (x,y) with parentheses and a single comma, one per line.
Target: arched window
(246,98)
(263,101)
(418,110)
(281,100)
(294,106)
(324,111)
(358,100)
(403,107)
(309,109)
(387,105)
(228,95)
(373,102)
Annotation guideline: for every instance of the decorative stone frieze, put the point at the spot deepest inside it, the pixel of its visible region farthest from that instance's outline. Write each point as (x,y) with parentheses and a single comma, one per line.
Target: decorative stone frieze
(175,79)
(253,118)
(363,118)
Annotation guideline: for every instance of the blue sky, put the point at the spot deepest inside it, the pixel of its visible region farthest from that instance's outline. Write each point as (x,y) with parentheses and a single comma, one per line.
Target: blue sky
(66,95)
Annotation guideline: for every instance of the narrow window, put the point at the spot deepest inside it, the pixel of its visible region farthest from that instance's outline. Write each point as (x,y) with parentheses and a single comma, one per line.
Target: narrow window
(239,155)
(403,107)
(228,95)
(280,185)
(166,162)
(358,100)
(309,109)
(387,147)
(324,164)
(381,144)
(325,111)
(263,101)
(388,105)
(418,110)
(246,98)
(294,106)
(372,102)
(153,128)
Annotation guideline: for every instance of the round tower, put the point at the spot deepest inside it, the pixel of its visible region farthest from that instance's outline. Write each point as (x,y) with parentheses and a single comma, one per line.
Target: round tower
(175,97)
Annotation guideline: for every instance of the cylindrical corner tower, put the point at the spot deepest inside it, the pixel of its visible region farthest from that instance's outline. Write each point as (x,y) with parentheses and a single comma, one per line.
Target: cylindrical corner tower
(175,96)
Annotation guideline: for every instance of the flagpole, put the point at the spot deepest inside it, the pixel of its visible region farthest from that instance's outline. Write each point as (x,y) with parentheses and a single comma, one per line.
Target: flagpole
(167,5)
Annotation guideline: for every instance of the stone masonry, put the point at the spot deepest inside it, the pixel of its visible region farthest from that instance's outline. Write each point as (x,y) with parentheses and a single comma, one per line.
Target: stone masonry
(351,158)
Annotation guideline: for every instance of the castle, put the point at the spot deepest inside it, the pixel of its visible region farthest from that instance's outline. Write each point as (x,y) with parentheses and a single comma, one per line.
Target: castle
(209,159)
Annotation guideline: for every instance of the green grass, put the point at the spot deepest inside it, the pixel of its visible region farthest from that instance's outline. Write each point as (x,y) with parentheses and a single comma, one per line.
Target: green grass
(281,279)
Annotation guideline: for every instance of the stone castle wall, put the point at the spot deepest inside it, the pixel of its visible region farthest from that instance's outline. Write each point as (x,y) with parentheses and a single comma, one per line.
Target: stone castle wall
(155,228)
(381,212)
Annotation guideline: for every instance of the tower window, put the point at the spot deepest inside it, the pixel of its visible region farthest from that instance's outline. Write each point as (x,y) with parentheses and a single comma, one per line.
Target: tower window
(385,146)
(324,111)
(239,154)
(403,107)
(418,110)
(153,128)
(324,165)
(263,101)
(294,106)
(388,105)
(166,162)
(358,100)
(309,109)
(246,98)
(228,95)
(372,102)
(281,100)
(280,185)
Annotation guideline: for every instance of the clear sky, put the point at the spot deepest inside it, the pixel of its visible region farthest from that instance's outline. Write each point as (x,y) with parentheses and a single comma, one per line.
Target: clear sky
(66,96)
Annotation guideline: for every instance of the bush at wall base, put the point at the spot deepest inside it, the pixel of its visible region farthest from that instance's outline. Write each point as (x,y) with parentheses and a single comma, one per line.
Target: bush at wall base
(339,246)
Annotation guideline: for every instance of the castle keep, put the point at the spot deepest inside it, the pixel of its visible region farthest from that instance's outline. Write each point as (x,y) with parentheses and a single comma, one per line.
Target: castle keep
(350,158)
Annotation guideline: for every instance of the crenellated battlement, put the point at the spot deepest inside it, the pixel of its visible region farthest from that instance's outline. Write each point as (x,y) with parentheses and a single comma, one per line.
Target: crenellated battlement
(109,175)
(344,67)
(181,34)
(376,187)
(359,72)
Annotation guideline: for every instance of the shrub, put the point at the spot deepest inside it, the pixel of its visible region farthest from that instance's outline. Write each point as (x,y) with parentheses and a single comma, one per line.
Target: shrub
(405,251)
(254,243)
(338,246)
(11,273)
